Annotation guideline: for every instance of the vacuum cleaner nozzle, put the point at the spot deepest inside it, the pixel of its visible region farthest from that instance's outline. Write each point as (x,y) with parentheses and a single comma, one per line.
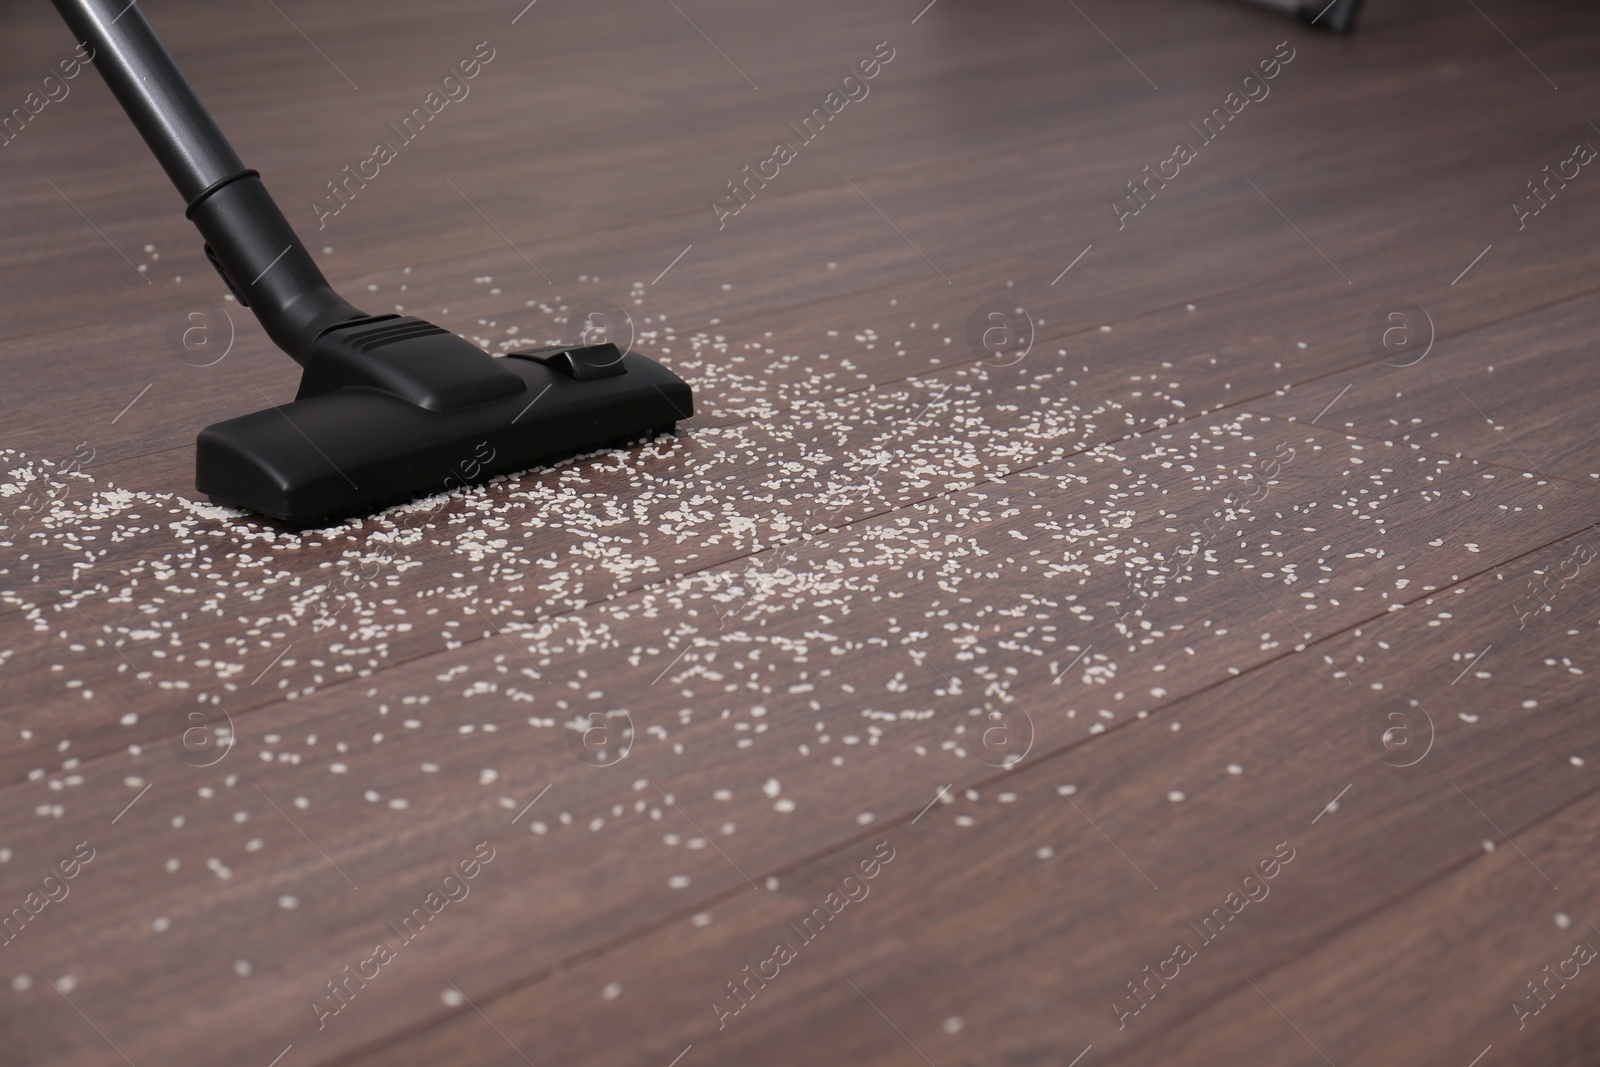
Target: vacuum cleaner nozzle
(390,407)
(394,408)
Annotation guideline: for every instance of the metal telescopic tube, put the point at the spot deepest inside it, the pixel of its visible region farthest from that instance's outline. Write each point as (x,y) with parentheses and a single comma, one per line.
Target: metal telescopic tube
(247,238)
(156,96)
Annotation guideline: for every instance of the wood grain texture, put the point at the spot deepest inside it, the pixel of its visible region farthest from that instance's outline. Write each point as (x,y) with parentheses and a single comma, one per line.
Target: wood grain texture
(1215,571)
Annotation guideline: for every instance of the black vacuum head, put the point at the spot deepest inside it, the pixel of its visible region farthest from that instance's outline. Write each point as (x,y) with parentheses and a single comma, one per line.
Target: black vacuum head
(393,408)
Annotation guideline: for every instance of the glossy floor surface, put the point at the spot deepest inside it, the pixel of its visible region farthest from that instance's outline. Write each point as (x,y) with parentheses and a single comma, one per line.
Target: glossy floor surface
(1127,593)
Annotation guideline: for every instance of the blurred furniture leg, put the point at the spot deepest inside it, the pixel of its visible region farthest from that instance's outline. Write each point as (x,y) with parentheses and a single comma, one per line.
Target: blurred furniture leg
(1336,16)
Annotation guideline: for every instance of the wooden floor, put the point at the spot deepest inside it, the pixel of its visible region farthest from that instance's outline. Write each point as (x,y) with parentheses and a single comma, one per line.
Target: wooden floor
(1192,665)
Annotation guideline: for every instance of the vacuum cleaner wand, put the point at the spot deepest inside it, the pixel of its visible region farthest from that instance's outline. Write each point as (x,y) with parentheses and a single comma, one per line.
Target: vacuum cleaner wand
(390,407)
(247,238)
